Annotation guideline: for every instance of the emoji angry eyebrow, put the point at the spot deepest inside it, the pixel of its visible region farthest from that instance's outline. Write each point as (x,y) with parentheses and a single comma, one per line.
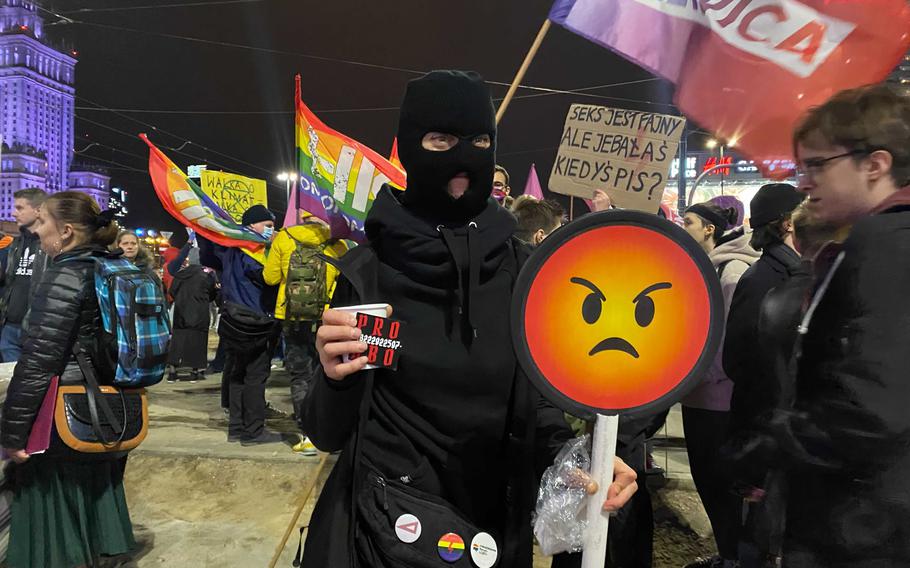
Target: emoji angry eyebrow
(588,285)
(652,288)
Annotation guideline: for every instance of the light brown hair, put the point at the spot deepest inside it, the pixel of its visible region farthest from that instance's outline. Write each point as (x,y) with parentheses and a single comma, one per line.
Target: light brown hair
(864,120)
(144,256)
(81,211)
(534,215)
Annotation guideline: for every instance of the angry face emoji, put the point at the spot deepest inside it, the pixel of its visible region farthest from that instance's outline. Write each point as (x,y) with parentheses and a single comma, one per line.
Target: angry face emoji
(617,312)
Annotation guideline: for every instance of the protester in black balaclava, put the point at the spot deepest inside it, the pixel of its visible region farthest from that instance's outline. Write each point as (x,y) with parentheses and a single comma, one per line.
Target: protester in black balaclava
(447,144)
(456,424)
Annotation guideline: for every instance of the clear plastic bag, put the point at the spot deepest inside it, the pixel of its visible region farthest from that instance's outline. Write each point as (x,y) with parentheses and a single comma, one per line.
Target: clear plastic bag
(559,523)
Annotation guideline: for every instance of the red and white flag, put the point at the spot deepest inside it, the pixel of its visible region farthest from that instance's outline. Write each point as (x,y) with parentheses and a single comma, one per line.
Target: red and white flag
(747,69)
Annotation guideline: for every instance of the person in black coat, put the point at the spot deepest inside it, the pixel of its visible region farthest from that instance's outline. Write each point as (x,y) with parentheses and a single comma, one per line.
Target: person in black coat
(772,234)
(193,288)
(65,512)
(457,427)
(846,442)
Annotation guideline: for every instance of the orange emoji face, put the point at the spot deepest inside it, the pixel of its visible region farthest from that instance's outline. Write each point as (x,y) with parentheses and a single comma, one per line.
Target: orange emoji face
(619,312)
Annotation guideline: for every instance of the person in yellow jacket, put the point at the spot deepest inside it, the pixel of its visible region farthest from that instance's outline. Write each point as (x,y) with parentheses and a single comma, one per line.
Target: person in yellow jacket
(301,359)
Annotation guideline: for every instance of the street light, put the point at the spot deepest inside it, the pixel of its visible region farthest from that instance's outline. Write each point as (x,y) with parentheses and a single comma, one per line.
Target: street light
(714,143)
(288,178)
(681,158)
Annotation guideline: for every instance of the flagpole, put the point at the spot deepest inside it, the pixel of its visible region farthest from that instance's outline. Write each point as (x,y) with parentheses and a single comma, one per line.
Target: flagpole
(522,70)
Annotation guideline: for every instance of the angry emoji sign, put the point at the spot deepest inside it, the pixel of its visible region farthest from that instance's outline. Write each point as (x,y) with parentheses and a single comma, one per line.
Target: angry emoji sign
(617,312)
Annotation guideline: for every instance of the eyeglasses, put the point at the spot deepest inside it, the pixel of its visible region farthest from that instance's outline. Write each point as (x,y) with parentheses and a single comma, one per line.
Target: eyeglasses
(498,185)
(813,166)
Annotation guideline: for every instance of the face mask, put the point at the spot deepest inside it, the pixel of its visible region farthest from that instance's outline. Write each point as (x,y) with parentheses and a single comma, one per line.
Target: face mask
(267,232)
(451,102)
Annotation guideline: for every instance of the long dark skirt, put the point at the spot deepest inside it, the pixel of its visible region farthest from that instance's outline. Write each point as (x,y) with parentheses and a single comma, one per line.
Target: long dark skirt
(67,514)
(189,348)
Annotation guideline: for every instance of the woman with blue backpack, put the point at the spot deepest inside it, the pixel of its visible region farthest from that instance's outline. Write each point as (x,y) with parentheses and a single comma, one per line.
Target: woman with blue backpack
(69,508)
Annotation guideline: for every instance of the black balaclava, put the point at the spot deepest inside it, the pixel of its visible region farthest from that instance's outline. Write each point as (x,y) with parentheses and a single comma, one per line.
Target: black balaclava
(451,102)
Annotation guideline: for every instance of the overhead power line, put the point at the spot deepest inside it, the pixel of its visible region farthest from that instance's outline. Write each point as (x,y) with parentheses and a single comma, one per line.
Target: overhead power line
(161,6)
(234,45)
(175,150)
(182,139)
(581,91)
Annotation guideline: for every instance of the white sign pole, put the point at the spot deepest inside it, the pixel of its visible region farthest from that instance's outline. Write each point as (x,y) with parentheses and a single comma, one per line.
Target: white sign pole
(604,450)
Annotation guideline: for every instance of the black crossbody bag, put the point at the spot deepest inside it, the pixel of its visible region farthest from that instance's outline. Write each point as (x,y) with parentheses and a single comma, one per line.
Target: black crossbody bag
(378,502)
(240,323)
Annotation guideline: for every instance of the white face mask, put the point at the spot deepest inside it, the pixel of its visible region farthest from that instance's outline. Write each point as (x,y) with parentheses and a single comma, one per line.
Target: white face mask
(267,232)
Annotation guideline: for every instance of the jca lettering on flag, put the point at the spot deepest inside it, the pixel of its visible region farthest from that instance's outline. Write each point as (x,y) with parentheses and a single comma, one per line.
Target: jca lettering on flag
(338,176)
(747,69)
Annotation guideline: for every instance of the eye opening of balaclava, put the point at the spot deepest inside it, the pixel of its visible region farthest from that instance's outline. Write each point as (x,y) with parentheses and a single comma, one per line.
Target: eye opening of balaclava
(450,102)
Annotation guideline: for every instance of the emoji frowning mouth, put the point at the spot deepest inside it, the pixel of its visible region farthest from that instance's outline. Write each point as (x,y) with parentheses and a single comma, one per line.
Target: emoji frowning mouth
(614,344)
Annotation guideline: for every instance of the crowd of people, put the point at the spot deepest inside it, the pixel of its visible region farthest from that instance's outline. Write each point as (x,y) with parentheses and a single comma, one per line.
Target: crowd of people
(796,436)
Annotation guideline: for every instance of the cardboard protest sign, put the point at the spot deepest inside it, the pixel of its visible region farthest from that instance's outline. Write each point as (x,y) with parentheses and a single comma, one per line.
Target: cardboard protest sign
(626,153)
(618,312)
(234,193)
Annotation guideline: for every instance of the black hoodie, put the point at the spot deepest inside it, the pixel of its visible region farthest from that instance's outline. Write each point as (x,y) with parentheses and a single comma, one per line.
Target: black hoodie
(441,421)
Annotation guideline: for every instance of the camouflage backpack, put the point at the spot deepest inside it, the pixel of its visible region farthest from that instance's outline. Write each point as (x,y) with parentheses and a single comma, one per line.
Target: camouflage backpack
(307,292)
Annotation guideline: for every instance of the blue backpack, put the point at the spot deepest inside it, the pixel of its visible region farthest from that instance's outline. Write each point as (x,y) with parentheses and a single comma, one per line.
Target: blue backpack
(135,318)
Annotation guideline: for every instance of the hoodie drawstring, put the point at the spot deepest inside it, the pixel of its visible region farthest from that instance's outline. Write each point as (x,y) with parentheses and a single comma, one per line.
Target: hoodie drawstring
(473,282)
(473,272)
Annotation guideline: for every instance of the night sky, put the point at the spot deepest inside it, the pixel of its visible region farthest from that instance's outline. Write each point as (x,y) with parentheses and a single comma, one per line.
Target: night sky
(235,105)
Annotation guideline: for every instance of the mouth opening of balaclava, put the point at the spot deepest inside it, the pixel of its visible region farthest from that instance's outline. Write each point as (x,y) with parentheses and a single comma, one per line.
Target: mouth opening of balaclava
(450,102)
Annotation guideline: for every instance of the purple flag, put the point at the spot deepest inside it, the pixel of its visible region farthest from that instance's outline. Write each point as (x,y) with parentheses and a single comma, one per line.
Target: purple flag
(532,186)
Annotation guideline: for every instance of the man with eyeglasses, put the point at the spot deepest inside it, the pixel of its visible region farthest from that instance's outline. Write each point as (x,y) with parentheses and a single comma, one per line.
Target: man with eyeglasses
(501,190)
(846,439)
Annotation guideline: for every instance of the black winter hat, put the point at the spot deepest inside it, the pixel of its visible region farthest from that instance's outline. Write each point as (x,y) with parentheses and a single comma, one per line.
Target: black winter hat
(256,214)
(771,202)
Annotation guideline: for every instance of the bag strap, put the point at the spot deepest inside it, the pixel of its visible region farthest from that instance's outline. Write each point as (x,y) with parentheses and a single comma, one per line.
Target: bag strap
(322,246)
(95,399)
(365,404)
(293,238)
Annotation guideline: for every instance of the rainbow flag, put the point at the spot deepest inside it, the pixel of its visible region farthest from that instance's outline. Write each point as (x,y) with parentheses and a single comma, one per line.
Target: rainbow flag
(393,157)
(187,203)
(338,177)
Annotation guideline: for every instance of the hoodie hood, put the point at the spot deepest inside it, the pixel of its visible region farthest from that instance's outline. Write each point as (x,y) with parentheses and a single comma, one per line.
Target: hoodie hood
(900,198)
(440,257)
(735,249)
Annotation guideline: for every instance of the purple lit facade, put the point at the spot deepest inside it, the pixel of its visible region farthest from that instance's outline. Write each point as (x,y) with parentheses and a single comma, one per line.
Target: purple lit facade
(37,97)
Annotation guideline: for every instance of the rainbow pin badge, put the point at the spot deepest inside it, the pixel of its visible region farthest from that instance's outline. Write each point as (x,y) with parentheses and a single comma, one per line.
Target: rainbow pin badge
(451,547)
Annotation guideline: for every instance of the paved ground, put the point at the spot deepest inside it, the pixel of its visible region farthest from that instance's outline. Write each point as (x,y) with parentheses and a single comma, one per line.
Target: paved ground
(198,501)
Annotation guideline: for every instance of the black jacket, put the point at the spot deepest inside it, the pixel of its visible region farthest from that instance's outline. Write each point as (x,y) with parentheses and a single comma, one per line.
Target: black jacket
(8,274)
(744,362)
(847,442)
(442,420)
(64,311)
(193,290)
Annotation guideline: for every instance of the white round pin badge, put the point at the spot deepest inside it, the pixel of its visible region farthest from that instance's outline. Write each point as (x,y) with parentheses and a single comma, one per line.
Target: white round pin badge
(484,551)
(407,528)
